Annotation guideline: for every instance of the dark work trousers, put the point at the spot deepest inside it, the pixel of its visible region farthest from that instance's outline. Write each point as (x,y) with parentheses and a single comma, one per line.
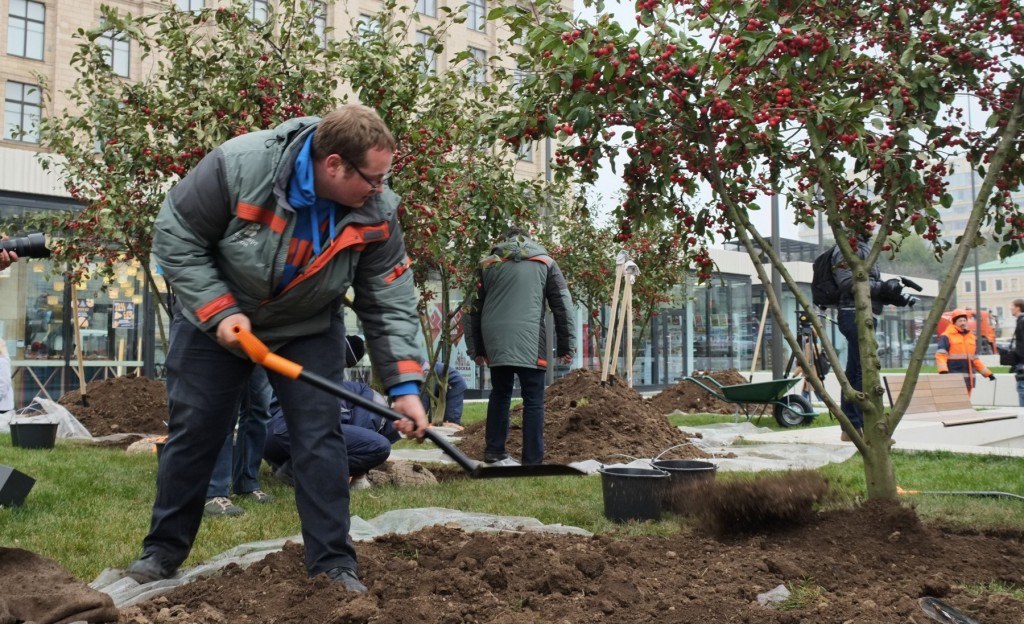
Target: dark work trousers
(848,328)
(204,385)
(531,386)
(366,448)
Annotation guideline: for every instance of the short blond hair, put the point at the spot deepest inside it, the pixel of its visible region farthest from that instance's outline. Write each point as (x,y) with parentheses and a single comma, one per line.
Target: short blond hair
(350,132)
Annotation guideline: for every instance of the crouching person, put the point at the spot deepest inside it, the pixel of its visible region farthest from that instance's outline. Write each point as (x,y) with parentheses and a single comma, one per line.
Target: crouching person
(368,438)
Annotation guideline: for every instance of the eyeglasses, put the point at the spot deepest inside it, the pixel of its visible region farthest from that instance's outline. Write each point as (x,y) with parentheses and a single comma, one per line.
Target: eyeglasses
(373,185)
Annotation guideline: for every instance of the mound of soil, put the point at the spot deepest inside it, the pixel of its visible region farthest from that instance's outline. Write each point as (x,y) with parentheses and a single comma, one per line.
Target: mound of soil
(587,419)
(120,405)
(690,398)
(867,565)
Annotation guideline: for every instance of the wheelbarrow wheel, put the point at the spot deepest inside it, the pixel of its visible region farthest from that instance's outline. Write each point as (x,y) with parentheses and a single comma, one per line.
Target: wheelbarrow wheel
(790,410)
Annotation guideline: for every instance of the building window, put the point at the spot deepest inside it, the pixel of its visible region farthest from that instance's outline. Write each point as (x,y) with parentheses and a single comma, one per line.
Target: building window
(476,15)
(429,64)
(427,7)
(478,66)
(982,286)
(967,287)
(1014,284)
(366,25)
(320,23)
(26,25)
(192,6)
(999,285)
(258,11)
(526,152)
(22,108)
(116,51)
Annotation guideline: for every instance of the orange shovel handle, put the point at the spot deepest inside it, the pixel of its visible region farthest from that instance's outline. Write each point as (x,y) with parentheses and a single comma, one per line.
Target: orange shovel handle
(259,353)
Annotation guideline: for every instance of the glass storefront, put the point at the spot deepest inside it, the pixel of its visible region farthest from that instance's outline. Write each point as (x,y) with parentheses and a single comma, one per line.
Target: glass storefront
(38,325)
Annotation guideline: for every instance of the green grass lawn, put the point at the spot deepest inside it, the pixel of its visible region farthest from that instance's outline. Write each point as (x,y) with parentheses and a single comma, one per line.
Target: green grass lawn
(90,506)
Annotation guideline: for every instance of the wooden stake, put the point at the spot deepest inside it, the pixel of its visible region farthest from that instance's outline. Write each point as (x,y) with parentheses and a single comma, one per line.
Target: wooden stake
(757,344)
(78,346)
(629,330)
(120,357)
(606,361)
(618,329)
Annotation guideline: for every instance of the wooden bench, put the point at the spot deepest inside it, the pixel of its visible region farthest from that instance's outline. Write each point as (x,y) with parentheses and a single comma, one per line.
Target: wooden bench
(943,398)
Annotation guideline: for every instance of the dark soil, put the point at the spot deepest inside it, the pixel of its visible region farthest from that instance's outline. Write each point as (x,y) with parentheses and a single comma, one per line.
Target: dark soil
(690,398)
(120,405)
(587,419)
(866,565)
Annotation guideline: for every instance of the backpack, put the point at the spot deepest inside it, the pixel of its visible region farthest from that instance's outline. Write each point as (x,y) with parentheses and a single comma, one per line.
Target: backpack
(824,289)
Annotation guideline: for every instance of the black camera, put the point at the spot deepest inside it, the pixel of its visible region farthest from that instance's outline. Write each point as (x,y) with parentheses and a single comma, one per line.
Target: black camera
(28,246)
(891,292)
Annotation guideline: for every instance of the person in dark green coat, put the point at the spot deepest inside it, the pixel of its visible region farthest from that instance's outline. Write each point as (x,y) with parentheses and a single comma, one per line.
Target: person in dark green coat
(506,331)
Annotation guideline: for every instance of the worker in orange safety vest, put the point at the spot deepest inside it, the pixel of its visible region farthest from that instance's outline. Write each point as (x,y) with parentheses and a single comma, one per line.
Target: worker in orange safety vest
(957,348)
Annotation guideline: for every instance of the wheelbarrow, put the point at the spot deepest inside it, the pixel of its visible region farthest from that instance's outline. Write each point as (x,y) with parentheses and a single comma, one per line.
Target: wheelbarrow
(259,353)
(790,410)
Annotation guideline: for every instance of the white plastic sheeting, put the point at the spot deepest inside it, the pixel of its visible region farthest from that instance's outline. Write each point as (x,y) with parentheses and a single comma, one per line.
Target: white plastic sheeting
(47,412)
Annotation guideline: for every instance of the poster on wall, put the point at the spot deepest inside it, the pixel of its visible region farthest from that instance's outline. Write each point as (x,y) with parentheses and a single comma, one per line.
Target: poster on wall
(85,310)
(123,316)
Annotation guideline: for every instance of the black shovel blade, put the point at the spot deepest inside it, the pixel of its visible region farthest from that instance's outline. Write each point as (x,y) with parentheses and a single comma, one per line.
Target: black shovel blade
(533,470)
(473,468)
(942,612)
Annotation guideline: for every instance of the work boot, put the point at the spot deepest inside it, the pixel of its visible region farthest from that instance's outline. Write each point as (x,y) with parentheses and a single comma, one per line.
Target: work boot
(148,569)
(259,496)
(221,506)
(845,437)
(504,460)
(347,578)
(359,483)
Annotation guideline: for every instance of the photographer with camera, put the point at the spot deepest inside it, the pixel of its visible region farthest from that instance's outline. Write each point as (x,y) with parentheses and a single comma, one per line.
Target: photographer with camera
(882,293)
(957,352)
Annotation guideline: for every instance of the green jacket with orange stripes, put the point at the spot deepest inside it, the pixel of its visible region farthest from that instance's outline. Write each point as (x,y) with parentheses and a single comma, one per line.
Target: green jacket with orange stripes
(506,318)
(223,233)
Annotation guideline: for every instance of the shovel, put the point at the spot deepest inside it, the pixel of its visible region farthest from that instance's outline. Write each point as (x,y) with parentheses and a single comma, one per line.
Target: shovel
(259,353)
(942,612)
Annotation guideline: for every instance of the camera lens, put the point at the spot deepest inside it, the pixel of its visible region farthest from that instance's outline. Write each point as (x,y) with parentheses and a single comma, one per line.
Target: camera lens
(29,246)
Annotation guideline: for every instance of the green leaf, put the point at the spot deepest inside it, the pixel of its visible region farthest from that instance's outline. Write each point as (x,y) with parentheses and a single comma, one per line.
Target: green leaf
(946,200)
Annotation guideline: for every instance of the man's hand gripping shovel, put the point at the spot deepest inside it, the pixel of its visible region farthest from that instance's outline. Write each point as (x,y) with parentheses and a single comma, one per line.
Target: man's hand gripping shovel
(259,353)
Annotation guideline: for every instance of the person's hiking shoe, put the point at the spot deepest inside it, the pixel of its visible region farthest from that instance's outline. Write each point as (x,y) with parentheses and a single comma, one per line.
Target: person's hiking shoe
(500,461)
(259,496)
(360,483)
(148,569)
(285,475)
(347,578)
(845,437)
(221,506)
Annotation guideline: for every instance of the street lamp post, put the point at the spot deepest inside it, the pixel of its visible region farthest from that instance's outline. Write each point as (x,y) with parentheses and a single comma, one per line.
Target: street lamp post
(977,280)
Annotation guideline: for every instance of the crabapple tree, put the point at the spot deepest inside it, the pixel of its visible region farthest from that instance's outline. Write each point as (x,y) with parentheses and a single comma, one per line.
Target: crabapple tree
(852,112)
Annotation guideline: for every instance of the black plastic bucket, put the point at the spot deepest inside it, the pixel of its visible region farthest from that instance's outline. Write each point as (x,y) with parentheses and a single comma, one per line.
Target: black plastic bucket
(632,493)
(33,435)
(684,475)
